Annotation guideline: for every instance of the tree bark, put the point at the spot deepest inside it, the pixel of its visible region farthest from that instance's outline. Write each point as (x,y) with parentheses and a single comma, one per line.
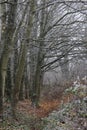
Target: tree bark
(6,36)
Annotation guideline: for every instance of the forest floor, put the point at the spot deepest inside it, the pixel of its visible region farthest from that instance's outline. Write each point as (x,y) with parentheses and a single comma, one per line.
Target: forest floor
(30,118)
(45,107)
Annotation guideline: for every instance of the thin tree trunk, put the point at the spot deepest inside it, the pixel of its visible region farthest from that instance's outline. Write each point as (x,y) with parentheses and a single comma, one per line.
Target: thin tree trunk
(18,77)
(22,60)
(37,77)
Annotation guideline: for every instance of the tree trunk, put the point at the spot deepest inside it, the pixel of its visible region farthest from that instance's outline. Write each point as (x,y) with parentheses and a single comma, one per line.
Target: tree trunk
(22,60)
(6,36)
(18,78)
(21,93)
(65,68)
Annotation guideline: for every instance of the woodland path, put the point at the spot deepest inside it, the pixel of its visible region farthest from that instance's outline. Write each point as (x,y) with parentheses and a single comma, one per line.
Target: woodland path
(45,108)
